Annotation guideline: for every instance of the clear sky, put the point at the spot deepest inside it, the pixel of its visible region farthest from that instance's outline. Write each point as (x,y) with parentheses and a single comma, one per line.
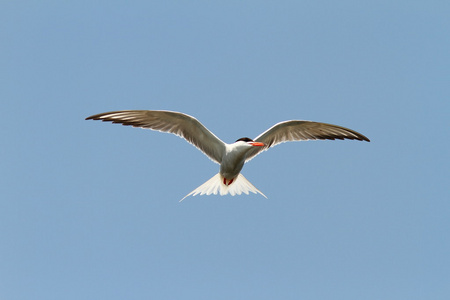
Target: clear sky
(90,210)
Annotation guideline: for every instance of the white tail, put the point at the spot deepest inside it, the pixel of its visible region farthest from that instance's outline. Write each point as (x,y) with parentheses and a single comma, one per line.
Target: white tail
(215,185)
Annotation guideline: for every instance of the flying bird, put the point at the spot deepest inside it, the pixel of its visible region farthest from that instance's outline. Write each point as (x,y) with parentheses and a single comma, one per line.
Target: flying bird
(230,157)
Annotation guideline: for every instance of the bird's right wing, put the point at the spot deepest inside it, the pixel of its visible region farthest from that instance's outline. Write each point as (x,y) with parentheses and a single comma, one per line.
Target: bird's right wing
(302,131)
(177,123)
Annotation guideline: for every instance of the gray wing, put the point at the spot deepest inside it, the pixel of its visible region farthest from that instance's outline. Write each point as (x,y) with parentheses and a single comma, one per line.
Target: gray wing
(302,131)
(177,123)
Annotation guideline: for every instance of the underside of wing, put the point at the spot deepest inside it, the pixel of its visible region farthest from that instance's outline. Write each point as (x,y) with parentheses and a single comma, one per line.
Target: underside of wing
(177,123)
(302,131)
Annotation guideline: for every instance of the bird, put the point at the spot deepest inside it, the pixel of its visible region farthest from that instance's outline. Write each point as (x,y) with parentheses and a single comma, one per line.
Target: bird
(230,157)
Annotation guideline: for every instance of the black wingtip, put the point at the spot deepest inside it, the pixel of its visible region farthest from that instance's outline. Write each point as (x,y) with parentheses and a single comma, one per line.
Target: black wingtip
(93,117)
(364,138)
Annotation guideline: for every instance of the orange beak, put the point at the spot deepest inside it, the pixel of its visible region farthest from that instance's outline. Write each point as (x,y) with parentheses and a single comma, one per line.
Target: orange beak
(256,144)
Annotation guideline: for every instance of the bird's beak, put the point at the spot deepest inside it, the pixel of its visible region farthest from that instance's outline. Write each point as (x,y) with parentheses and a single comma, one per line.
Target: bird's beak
(256,144)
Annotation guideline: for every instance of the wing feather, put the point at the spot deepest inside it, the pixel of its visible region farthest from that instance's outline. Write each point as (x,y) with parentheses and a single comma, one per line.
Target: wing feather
(302,131)
(177,123)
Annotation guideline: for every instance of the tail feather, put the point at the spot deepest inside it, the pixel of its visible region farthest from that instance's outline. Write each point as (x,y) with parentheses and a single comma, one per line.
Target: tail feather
(215,185)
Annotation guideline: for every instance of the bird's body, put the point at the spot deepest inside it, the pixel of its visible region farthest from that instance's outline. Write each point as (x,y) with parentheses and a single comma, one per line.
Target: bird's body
(231,157)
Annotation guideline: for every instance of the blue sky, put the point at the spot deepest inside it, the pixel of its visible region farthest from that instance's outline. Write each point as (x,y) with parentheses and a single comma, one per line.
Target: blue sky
(90,210)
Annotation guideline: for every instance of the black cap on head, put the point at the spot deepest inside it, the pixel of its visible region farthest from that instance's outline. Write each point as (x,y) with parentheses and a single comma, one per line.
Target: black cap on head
(245,139)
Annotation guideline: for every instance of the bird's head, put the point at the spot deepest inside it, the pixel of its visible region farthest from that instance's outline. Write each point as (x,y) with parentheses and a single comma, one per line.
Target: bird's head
(248,142)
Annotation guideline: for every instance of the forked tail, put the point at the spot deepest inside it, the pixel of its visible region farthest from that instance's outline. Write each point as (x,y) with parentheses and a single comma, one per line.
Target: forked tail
(215,185)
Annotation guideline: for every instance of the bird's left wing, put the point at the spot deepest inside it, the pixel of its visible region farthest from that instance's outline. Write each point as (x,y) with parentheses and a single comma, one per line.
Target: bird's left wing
(177,123)
(302,131)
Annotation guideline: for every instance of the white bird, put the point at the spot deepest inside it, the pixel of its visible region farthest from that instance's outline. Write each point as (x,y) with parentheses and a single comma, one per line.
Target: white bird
(230,157)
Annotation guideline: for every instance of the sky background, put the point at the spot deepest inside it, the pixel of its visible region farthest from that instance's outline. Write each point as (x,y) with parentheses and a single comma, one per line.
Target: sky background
(91,210)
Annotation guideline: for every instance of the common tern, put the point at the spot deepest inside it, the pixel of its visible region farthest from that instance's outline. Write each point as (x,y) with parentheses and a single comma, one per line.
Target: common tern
(230,157)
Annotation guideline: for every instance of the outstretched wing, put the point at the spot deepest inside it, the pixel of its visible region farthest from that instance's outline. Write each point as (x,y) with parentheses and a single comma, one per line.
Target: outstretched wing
(302,131)
(177,123)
